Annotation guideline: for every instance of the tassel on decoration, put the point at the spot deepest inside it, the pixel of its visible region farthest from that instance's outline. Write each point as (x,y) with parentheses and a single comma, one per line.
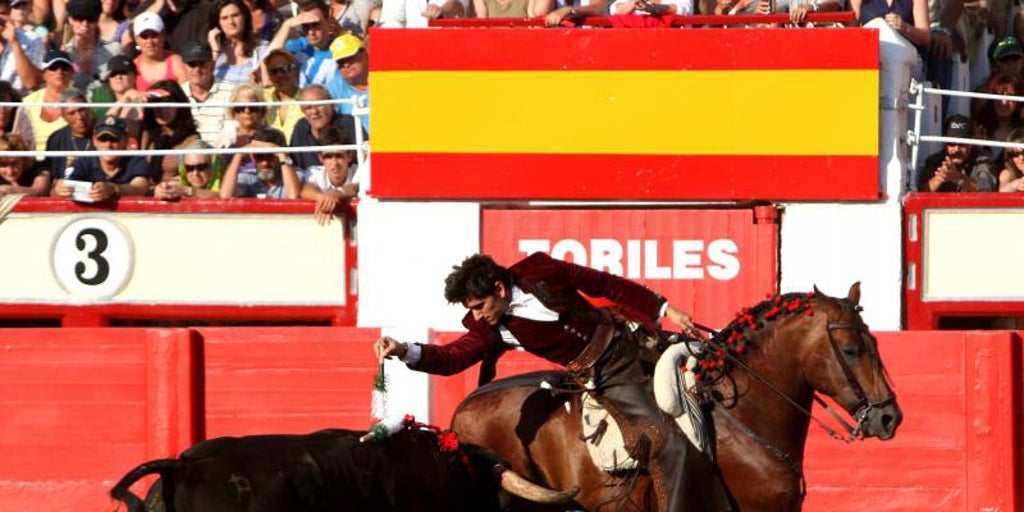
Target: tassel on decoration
(382,425)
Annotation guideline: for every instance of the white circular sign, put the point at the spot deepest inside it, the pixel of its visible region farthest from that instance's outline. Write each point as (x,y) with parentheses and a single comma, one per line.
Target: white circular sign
(92,257)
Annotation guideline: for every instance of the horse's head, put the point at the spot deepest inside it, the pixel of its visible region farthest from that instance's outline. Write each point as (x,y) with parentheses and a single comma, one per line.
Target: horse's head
(841,360)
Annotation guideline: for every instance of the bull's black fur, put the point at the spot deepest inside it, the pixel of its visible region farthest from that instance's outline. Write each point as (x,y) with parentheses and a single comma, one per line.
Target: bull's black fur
(326,470)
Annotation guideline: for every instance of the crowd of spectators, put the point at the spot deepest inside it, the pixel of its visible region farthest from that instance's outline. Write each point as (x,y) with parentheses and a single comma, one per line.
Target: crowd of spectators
(209,52)
(198,52)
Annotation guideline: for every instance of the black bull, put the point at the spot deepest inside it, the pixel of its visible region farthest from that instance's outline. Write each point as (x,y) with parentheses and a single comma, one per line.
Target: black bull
(330,470)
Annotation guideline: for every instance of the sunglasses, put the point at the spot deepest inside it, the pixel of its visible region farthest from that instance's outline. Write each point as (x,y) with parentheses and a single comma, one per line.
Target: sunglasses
(312,26)
(60,68)
(197,167)
(280,70)
(247,108)
(1014,154)
(108,138)
(149,34)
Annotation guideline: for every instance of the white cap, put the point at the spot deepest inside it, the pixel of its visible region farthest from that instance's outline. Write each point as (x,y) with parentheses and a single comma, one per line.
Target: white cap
(147,21)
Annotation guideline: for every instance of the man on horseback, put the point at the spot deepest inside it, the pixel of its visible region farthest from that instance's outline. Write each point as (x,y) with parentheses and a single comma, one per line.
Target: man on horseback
(537,305)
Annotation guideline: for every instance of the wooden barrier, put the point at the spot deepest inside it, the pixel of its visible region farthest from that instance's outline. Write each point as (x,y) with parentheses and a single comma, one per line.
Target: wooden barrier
(286,379)
(79,407)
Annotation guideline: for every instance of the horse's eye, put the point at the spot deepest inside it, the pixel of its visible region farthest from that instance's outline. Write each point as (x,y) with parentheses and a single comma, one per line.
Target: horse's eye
(851,350)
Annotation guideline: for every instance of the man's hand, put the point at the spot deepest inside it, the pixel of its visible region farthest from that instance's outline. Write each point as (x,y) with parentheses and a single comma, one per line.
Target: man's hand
(941,45)
(683,320)
(387,347)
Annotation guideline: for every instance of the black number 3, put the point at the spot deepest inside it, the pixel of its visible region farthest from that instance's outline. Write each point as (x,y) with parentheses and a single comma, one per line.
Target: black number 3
(96,255)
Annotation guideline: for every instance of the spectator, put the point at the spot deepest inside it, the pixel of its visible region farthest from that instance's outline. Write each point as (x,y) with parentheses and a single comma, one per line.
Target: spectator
(244,121)
(275,175)
(111,176)
(57,68)
(352,15)
(647,7)
(349,52)
(236,49)
(155,62)
(946,42)
(1000,117)
(413,14)
(202,88)
(13,119)
(266,19)
(167,128)
(22,19)
(114,26)
(76,135)
(309,129)
(1011,178)
(799,9)
(507,8)
(1006,58)
(284,76)
(199,176)
(592,8)
(119,87)
(312,50)
(186,20)
(90,55)
(17,174)
(334,181)
(21,56)
(958,167)
(909,18)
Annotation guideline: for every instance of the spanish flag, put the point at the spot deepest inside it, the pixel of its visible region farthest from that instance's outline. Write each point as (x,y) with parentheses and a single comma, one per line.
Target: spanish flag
(624,114)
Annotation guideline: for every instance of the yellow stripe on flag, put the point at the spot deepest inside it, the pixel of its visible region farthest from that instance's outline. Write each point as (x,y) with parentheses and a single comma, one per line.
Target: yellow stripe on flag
(772,112)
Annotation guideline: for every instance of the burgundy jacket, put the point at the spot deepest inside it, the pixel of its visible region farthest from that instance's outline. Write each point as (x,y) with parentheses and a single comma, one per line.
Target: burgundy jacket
(557,285)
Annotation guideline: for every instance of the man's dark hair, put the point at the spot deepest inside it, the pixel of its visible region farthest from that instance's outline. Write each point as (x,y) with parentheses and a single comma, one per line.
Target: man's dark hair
(333,135)
(475,278)
(309,5)
(271,135)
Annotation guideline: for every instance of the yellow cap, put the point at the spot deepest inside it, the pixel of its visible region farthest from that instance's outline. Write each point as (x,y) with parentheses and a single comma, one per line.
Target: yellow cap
(346,45)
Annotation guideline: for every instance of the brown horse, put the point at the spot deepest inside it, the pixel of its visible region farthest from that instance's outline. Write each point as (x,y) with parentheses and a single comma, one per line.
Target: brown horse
(763,372)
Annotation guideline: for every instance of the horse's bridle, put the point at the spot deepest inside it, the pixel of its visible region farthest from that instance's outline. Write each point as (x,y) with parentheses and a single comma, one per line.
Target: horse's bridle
(864,405)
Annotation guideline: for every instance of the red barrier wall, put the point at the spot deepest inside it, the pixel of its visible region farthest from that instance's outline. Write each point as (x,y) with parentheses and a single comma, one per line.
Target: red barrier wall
(79,407)
(287,379)
(958,448)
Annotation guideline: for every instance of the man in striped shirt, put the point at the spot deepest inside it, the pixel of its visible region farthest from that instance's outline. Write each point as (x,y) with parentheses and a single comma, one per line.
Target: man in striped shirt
(201,88)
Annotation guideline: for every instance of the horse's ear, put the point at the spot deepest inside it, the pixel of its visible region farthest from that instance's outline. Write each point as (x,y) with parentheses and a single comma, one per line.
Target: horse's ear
(854,294)
(816,290)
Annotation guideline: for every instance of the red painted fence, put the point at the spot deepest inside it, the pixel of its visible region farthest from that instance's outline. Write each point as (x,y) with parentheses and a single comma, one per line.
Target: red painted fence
(79,407)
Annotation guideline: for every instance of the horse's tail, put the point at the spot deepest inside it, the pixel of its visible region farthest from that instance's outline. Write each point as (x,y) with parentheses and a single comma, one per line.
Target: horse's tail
(122,491)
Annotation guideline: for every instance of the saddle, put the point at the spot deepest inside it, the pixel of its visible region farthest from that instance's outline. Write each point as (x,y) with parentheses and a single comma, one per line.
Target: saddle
(676,395)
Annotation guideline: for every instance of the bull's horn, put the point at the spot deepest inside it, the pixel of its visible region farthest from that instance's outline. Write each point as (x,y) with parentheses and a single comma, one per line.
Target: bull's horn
(519,486)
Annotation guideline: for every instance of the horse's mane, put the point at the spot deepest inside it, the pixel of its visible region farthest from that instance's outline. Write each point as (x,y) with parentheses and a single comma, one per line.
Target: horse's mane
(736,337)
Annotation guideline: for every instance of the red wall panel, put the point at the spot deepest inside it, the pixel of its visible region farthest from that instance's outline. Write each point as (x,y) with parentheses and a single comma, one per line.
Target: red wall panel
(287,379)
(79,407)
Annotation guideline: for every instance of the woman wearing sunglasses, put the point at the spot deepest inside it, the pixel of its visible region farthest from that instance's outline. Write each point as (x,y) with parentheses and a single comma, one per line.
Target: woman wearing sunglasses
(199,176)
(167,128)
(244,121)
(283,72)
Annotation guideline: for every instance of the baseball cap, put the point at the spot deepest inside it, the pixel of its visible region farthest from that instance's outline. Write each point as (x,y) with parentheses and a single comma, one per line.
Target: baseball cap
(147,21)
(15,3)
(196,51)
(84,9)
(958,126)
(54,55)
(119,64)
(110,125)
(346,45)
(1008,46)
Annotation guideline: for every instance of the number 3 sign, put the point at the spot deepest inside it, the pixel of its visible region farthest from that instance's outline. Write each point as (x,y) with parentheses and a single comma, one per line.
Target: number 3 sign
(92,257)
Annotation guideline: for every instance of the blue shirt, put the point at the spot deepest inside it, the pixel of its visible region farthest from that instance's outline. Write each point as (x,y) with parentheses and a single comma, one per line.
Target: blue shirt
(88,169)
(315,64)
(339,89)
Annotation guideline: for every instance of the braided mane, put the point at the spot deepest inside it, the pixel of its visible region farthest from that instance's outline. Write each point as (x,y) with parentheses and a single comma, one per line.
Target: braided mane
(737,336)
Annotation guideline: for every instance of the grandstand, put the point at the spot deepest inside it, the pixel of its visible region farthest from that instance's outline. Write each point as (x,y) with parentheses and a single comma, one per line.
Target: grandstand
(714,164)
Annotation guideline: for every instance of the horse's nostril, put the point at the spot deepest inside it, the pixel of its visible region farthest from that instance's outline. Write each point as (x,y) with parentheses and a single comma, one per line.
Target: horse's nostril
(887,421)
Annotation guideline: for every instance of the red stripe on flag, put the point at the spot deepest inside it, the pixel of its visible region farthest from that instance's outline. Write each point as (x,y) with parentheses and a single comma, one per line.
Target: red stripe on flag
(624,177)
(496,49)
